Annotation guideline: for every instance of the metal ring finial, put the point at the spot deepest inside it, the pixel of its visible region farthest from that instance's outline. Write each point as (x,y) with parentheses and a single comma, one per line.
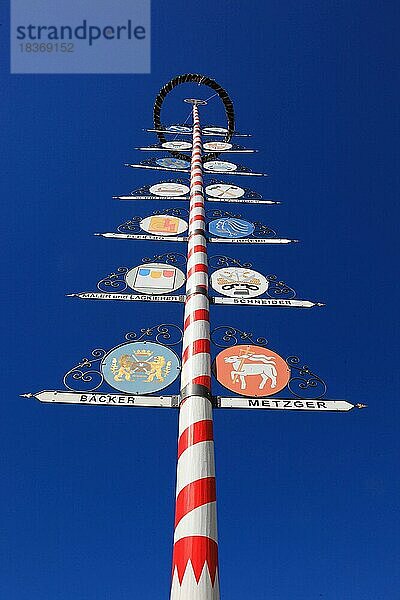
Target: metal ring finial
(201,80)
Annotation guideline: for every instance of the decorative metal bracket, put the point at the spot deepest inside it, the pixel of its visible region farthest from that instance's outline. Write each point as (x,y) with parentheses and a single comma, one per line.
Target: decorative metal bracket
(219,261)
(226,336)
(87,372)
(303,383)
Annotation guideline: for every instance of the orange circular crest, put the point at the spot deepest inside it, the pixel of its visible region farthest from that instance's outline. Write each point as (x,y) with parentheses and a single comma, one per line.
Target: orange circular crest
(251,370)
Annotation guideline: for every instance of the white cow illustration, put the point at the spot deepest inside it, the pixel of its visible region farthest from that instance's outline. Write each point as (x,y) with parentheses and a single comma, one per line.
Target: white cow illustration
(260,365)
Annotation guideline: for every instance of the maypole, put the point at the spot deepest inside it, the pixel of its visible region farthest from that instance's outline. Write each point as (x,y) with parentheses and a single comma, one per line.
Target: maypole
(195,557)
(132,372)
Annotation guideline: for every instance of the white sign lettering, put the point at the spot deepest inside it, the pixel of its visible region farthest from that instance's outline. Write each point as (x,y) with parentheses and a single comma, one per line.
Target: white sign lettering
(252,240)
(287,404)
(127,297)
(266,302)
(61,397)
(139,236)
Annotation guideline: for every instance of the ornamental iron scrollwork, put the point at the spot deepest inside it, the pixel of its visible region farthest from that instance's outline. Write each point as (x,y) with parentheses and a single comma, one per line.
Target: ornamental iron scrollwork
(279,289)
(171,258)
(114,283)
(87,371)
(218,214)
(262,231)
(166,334)
(220,261)
(131,226)
(302,378)
(172,212)
(226,336)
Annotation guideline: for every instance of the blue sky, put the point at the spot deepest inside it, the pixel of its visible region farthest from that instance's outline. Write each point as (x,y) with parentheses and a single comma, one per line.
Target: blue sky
(307,501)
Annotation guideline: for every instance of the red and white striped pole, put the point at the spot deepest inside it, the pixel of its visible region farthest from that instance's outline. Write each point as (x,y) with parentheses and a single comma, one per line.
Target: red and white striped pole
(195,557)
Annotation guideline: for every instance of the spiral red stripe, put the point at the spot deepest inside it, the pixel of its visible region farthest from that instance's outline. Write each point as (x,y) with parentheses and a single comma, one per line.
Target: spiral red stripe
(197,347)
(197,218)
(200,314)
(198,268)
(195,494)
(201,431)
(197,248)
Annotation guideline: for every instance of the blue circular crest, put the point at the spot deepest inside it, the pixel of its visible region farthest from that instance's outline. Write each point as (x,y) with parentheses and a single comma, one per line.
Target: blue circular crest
(230,227)
(140,367)
(173,163)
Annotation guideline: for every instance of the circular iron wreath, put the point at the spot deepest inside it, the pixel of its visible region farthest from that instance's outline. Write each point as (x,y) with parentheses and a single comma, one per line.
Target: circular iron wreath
(201,80)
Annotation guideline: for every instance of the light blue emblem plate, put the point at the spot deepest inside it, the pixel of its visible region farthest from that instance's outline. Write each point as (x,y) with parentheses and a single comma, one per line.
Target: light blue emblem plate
(173,163)
(228,227)
(140,367)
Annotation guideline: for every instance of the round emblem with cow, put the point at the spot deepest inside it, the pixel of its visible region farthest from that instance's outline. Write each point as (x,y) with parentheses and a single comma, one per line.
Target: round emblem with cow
(251,370)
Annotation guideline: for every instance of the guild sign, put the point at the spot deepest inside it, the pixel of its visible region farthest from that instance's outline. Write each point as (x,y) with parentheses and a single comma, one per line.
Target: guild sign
(169,189)
(155,278)
(215,131)
(219,165)
(178,129)
(163,225)
(229,227)
(140,367)
(172,163)
(224,190)
(177,145)
(251,370)
(217,146)
(238,282)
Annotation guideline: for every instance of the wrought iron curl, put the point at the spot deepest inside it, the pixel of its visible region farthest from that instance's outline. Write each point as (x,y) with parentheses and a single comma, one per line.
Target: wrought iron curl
(219,261)
(83,372)
(115,282)
(261,230)
(133,225)
(226,336)
(171,258)
(304,379)
(217,214)
(167,334)
(173,212)
(279,289)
